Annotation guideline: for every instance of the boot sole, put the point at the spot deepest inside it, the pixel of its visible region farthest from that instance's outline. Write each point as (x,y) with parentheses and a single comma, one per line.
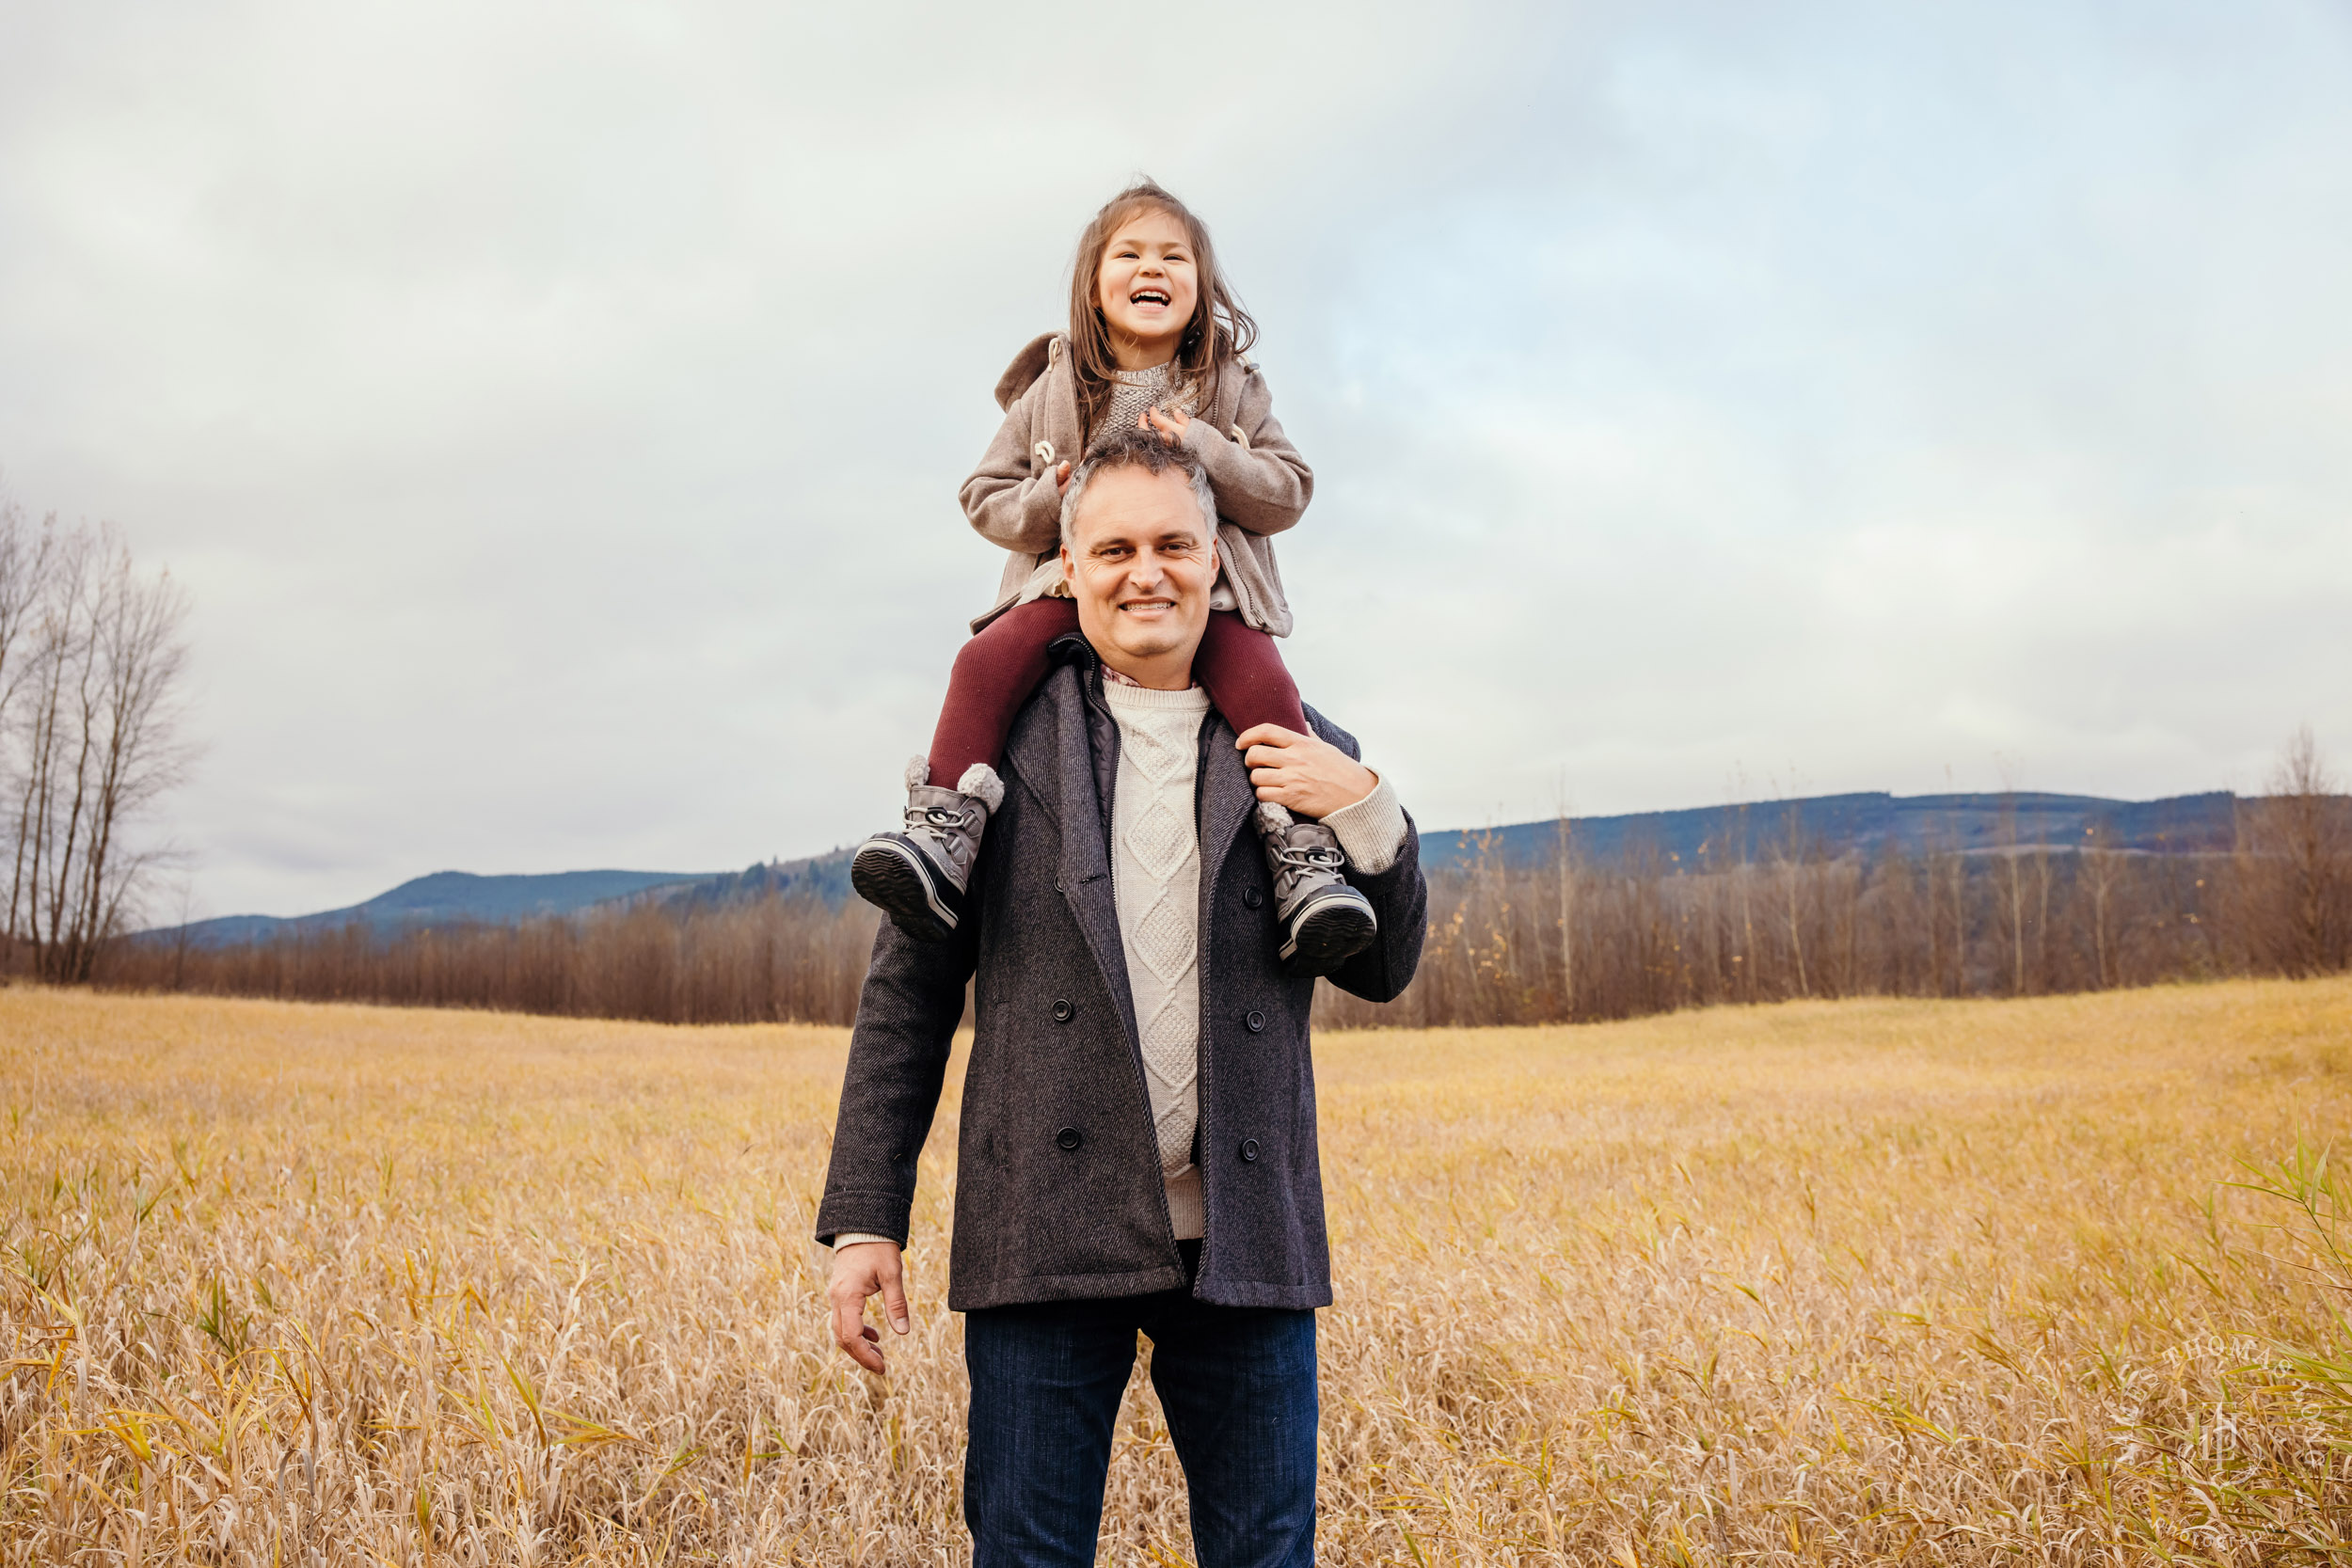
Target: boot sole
(1328,932)
(896,880)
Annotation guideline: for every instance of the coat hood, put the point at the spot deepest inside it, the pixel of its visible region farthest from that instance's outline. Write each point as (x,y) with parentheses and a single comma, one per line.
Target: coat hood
(1025,368)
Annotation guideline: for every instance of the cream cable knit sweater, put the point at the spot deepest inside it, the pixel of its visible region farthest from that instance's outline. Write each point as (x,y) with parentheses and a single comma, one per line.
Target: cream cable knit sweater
(1155,879)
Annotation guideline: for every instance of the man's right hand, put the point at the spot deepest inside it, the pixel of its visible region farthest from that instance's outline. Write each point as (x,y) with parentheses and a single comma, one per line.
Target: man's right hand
(859,1270)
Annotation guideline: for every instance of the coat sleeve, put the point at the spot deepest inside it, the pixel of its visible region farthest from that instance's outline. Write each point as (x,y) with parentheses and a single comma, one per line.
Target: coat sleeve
(1262,484)
(1400,901)
(1010,498)
(906,1022)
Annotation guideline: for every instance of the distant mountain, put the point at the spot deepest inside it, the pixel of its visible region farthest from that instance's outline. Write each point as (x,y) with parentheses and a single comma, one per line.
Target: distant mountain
(444,898)
(1822,824)
(1868,823)
(825,876)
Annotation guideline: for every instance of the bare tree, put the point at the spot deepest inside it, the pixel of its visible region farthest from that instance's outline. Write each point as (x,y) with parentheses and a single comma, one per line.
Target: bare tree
(1792,869)
(2296,866)
(1564,862)
(2102,871)
(91,736)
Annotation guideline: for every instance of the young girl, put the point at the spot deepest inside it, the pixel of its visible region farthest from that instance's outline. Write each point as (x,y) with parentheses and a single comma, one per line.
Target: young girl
(1156,342)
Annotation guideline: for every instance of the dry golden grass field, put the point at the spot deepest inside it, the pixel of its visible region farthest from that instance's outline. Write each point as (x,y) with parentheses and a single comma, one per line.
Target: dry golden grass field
(1856,1282)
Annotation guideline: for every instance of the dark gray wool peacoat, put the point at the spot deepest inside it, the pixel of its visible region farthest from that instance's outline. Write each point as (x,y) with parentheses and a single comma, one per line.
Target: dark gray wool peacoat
(1058,1194)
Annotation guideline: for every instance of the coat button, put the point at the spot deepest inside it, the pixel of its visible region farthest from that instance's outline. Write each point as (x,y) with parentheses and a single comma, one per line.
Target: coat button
(1064,1012)
(1250,1151)
(1255,1022)
(1251,897)
(1068,1137)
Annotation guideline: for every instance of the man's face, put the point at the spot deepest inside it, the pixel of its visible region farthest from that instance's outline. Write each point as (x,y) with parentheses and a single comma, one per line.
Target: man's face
(1141,563)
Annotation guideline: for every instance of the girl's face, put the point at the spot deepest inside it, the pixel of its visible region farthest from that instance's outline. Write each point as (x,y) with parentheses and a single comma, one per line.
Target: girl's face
(1147,286)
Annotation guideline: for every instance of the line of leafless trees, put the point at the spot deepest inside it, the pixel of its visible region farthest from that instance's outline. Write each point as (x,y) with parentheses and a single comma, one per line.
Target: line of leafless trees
(1559,941)
(1567,940)
(91,660)
(775,959)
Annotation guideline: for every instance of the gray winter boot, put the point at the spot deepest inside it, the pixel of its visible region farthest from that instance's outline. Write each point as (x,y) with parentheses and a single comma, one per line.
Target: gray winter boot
(918,877)
(1324,920)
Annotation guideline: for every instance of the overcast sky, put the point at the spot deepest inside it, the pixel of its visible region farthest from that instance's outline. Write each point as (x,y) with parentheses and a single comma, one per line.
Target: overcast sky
(556,412)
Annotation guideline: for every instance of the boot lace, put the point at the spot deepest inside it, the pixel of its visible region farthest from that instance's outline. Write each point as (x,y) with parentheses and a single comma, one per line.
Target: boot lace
(1310,857)
(937,819)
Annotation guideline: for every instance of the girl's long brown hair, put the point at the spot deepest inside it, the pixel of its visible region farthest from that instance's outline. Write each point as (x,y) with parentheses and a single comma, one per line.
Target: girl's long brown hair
(1219,330)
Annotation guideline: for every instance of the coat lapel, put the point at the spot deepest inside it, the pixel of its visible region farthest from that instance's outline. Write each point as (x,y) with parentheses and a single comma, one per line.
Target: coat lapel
(1226,799)
(1084,876)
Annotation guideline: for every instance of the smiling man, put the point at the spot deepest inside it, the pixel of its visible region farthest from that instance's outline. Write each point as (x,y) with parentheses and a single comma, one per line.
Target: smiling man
(1137,1148)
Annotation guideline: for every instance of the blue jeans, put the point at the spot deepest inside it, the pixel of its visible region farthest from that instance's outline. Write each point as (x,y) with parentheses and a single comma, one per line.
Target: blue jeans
(1238,1388)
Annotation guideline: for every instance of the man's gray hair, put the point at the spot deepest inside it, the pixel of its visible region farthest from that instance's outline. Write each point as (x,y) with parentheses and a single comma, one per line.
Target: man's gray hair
(1137,449)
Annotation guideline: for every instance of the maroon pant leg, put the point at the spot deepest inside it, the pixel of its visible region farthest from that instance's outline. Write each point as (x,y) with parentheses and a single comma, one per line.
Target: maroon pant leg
(1245,677)
(993,675)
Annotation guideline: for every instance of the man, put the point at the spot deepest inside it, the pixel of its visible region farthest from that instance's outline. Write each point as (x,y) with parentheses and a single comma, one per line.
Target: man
(1137,1149)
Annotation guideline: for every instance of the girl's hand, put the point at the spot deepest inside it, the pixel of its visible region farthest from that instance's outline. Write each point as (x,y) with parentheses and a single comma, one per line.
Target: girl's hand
(1304,772)
(1061,478)
(1170,423)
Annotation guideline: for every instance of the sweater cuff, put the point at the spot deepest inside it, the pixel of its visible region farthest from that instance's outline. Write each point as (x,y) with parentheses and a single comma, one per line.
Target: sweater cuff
(1370,831)
(851,1238)
(1200,435)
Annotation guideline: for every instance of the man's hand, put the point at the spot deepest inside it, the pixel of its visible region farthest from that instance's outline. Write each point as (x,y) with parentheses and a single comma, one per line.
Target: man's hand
(1303,772)
(859,1270)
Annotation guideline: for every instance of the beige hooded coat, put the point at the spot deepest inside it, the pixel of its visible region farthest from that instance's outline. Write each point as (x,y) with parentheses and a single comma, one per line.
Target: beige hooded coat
(1262,484)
